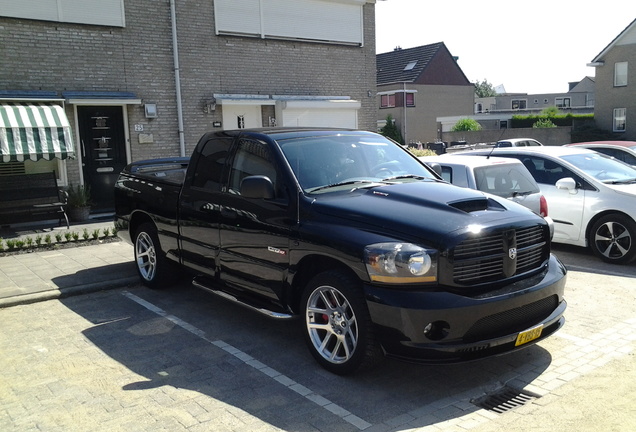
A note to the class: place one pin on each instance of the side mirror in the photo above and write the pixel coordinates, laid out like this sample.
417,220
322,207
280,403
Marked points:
567,183
257,187
435,167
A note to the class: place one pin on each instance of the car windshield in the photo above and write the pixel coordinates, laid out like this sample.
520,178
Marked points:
602,167
506,180
346,161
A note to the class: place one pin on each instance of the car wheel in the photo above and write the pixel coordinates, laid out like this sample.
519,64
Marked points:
339,331
150,260
612,239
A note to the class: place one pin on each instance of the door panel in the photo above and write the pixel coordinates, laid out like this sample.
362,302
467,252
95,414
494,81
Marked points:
103,150
254,233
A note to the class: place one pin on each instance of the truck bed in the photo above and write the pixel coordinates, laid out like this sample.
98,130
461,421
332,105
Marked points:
166,170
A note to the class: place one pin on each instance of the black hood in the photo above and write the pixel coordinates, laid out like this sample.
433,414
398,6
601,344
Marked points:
422,210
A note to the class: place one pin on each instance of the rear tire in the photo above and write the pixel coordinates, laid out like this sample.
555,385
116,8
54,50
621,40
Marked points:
338,327
613,239
152,265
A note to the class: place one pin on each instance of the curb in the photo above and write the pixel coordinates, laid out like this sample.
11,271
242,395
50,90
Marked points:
67,292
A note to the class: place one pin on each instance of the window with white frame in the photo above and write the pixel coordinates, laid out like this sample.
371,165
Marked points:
387,101
620,116
339,22
620,74
96,12
519,104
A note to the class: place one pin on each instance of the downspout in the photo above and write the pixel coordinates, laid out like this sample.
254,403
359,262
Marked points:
404,109
177,79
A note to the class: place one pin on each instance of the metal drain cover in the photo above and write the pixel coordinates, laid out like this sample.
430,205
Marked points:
504,399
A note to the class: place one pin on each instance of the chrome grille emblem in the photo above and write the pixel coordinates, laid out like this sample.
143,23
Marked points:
512,253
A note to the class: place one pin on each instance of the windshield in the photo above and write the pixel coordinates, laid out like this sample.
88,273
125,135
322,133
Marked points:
352,160
506,180
602,167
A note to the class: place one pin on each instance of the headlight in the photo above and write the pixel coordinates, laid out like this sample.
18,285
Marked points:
400,263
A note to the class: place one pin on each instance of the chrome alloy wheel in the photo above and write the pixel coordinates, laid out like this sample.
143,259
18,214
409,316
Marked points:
331,324
613,240
146,256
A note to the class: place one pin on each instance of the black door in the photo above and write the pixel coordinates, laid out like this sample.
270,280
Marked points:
103,149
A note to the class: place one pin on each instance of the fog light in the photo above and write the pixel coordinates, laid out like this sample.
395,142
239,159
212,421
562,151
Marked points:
437,330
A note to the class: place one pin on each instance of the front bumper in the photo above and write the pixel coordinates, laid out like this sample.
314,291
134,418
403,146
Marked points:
467,327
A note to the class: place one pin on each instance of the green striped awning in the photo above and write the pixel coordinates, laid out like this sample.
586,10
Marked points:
34,131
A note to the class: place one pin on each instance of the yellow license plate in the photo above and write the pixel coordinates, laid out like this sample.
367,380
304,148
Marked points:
529,335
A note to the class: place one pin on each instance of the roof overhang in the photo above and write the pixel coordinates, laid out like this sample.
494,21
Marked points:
100,98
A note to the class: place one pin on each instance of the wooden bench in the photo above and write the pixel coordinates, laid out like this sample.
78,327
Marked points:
31,197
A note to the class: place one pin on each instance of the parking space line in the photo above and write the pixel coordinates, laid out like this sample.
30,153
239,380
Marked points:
257,365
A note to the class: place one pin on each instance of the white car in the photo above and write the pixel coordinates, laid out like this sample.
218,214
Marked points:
518,142
624,151
504,177
591,197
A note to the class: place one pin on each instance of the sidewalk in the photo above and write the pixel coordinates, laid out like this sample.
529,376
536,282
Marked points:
48,274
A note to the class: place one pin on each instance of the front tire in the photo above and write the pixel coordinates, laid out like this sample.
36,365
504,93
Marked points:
613,239
151,263
338,327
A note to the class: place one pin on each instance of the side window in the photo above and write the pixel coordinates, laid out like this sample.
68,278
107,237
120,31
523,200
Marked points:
447,174
209,170
549,172
251,158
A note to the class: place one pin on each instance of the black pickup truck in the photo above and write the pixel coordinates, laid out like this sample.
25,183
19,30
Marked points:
352,234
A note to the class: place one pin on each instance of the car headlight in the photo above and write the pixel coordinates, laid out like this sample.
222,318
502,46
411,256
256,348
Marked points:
400,263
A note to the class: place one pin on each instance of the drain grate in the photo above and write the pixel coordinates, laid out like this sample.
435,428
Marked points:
504,399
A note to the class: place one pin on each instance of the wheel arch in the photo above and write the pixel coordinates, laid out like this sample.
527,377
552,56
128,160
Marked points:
137,219
309,267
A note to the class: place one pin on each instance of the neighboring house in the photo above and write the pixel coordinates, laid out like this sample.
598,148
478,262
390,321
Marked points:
615,107
579,99
143,79
417,85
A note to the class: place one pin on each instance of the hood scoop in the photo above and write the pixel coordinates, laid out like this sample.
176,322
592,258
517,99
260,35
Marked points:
476,205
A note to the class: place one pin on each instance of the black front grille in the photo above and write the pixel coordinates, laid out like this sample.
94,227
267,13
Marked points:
511,321
499,255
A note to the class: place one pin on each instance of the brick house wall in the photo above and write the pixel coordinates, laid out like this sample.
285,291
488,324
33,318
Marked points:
56,56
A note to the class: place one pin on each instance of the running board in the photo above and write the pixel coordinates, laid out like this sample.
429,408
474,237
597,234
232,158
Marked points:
223,294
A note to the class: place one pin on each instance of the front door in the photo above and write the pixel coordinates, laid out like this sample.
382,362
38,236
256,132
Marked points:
103,149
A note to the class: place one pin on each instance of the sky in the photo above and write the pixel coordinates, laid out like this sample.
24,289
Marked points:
528,47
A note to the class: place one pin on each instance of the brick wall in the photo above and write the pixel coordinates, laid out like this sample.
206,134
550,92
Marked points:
38,55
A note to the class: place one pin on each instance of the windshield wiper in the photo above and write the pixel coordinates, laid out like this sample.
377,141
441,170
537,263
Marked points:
406,176
516,194
345,183
626,181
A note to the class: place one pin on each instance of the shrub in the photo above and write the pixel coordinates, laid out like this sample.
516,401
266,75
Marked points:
95,234
47,239
466,124
543,123
423,152
68,235
390,130
58,237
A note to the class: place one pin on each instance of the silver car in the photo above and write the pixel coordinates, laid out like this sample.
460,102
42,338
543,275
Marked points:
592,197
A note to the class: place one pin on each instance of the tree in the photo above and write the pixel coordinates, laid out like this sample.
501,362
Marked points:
466,124
390,130
484,89
549,112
